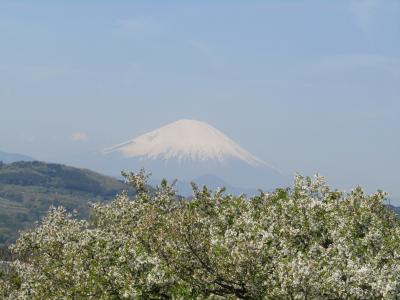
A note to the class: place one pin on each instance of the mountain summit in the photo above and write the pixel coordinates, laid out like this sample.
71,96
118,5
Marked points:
185,140
187,150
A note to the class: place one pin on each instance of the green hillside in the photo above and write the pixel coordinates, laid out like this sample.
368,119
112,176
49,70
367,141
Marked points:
28,189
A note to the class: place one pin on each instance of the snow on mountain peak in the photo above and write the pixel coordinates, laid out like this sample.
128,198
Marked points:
185,140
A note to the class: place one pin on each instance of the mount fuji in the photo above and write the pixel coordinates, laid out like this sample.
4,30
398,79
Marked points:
187,150
185,140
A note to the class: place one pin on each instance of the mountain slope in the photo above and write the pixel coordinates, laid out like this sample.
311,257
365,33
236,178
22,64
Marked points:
185,140
212,182
7,158
396,209
28,189
184,150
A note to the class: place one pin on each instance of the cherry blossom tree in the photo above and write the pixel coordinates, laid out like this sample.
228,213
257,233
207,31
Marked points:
304,242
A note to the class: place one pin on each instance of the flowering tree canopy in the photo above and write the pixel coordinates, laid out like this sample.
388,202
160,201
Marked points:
305,242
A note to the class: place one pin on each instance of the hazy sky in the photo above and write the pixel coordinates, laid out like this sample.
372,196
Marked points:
305,85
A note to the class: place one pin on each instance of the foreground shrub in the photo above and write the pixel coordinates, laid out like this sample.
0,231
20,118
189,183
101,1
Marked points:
306,242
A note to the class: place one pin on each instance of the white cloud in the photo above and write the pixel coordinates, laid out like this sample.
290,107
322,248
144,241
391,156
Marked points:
79,137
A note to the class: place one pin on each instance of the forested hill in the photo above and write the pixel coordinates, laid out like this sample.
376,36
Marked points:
28,189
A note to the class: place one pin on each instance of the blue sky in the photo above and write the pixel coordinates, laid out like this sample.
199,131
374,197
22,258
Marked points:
309,86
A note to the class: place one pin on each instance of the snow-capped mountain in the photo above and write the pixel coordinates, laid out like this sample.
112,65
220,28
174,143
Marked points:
185,140
186,150
189,149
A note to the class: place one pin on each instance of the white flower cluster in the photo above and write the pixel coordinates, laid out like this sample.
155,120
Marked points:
306,242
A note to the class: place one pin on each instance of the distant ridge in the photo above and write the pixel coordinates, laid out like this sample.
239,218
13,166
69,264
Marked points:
212,182
7,157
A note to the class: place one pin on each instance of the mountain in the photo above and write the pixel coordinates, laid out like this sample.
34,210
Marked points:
185,140
396,209
186,150
28,189
7,158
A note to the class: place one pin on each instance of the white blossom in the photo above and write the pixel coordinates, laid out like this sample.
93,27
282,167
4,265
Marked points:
306,242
